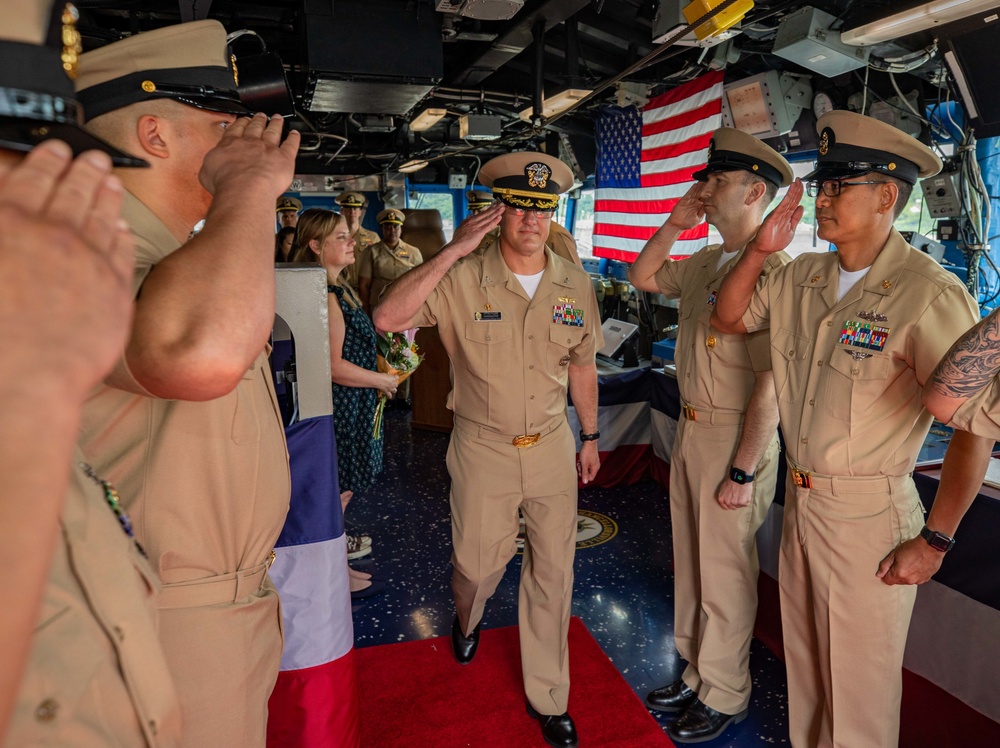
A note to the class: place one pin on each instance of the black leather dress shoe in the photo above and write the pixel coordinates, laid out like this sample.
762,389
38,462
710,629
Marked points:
673,698
699,723
464,647
557,729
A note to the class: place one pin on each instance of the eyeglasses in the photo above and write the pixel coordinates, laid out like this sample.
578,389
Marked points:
541,215
831,187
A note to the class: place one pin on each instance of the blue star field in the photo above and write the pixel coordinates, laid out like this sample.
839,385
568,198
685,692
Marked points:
623,590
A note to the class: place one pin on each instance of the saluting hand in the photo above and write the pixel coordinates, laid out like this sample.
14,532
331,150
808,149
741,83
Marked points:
689,211
778,228
470,232
251,153
66,266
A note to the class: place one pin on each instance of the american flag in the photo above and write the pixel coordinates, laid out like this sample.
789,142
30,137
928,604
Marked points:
644,164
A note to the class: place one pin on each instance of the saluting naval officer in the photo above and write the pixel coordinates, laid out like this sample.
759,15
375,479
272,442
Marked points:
723,469
188,425
854,336
386,260
288,209
520,326
80,662
559,240
353,206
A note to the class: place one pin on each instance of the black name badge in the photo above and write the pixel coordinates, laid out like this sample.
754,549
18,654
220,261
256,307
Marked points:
488,316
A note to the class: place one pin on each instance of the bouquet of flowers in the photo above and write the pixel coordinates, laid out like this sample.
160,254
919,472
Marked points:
397,354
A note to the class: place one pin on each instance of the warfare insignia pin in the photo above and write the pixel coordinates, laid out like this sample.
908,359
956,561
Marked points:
859,355
872,316
538,175
566,300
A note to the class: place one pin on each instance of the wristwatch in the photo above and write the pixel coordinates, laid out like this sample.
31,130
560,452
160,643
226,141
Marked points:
937,540
740,476
589,437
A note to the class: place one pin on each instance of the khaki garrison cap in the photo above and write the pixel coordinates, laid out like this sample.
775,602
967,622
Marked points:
731,150
391,215
852,144
527,180
477,199
189,63
352,200
288,203
39,53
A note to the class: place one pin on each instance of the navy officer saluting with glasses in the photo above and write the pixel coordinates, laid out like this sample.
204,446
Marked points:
854,336
520,326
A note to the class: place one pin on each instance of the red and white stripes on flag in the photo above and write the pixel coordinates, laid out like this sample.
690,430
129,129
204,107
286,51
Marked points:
644,165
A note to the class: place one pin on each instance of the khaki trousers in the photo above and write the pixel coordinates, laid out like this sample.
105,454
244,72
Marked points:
715,560
224,658
490,479
844,629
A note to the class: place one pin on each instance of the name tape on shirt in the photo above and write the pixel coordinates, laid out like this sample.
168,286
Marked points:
488,316
864,335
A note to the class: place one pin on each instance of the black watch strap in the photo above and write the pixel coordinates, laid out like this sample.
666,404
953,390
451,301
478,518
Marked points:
589,437
740,476
937,540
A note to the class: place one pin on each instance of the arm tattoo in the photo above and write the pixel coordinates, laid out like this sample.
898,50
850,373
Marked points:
972,362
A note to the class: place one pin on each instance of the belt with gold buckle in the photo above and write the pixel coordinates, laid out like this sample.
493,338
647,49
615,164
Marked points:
525,440
801,478
690,413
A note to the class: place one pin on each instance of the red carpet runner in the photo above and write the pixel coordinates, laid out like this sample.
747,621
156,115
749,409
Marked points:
415,694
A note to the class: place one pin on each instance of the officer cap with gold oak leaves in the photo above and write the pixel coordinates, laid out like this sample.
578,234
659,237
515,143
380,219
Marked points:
851,145
189,62
731,150
527,180
39,56
478,199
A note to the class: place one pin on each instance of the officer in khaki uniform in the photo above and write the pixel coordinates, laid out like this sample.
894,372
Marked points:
854,335
288,209
520,326
724,466
386,260
353,206
92,673
188,426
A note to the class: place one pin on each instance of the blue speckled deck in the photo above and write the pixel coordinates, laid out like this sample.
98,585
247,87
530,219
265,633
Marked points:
623,590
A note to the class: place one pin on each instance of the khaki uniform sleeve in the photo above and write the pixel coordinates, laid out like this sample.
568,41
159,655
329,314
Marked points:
759,343
947,317
366,263
584,354
980,415
670,277
436,309
758,313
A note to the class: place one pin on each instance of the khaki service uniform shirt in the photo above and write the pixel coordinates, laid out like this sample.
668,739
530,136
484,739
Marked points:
510,355
849,373
384,265
97,676
363,241
715,371
562,243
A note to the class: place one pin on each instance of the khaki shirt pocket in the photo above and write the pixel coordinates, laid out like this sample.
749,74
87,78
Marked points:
487,348
788,358
562,340
850,387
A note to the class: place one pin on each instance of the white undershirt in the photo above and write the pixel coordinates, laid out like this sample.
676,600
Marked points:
725,257
848,279
530,282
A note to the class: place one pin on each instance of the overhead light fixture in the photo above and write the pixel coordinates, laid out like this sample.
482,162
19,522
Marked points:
411,166
557,104
911,21
427,119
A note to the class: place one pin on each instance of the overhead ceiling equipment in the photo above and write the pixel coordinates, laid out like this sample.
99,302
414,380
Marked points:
427,119
557,103
804,37
671,15
972,53
767,104
371,56
483,10
916,19
480,127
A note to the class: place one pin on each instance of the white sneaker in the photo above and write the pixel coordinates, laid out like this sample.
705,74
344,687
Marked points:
358,546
